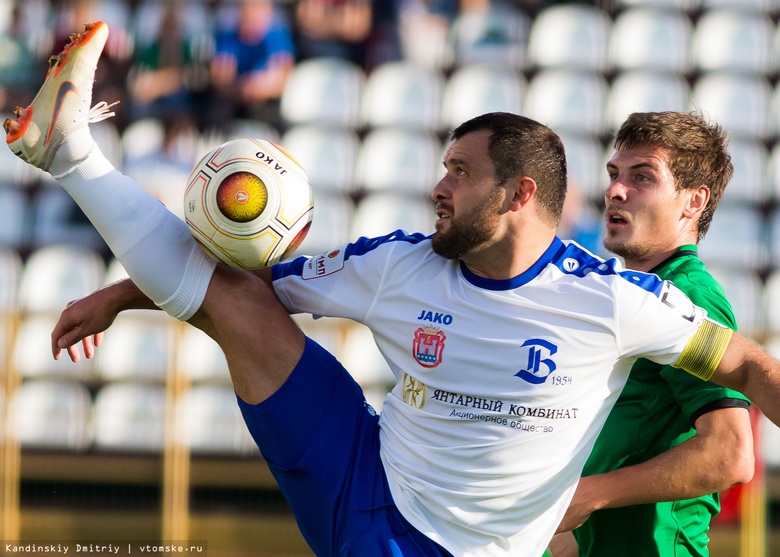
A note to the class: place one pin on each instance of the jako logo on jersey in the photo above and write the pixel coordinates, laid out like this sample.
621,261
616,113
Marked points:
428,345
435,317
539,365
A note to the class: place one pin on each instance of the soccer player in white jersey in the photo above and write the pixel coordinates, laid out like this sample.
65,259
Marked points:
509,345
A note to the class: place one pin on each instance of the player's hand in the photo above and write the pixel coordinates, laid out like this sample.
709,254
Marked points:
82,321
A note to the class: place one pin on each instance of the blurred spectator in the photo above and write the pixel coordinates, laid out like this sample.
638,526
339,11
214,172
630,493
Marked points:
173,44
424,28
253,57
26,43
111,75
384,40
335,28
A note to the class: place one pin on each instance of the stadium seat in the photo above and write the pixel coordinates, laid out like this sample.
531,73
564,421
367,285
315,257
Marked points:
47,414
767,6
585,164
55,275
32,356
138,347
244,127
750,183
200,358
570,36
331,226
129,417
741,103
15,218
772,304
734,39
402,94
773,173
141,138
323,91
56,218
737,237
106,135
10,277
651,38
15,173
569,101
209,422
362,358
398,160
774,237
381,213
327,153
645,91
745,292
496,34
114,271
475,89
326,331
768,433
687,6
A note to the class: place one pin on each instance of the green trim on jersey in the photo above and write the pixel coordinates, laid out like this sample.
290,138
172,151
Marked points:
654,413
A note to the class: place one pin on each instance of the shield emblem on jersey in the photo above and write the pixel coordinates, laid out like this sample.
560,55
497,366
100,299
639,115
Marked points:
428,346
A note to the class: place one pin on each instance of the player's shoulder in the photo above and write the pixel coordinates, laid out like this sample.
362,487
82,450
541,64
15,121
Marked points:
575,260
376,249
692,276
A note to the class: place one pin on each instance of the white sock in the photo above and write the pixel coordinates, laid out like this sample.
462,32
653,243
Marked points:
154,245
72,152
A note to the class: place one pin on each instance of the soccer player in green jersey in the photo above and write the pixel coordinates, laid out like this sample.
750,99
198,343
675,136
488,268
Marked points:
671,443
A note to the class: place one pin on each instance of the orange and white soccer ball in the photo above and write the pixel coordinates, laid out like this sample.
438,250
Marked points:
248,203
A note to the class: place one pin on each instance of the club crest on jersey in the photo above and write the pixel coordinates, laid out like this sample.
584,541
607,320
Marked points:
539,364
428,345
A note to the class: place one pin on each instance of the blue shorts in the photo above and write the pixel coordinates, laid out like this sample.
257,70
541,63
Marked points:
321,441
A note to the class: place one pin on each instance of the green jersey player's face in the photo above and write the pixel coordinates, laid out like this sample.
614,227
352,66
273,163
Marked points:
646,217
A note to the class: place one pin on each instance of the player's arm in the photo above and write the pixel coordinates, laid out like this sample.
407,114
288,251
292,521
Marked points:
562,545
732,360
85,320
718,456
747,368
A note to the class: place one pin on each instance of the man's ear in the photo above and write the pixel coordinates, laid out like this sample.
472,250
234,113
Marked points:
523,190
697,202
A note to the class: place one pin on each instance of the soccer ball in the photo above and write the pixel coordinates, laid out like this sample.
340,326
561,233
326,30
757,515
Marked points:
248,203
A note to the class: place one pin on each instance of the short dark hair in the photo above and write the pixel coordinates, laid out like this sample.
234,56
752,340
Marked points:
520,146
698,152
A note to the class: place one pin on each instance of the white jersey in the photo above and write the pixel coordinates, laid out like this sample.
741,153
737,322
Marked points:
502,385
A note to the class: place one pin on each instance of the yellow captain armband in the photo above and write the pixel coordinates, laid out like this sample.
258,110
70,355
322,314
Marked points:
705,349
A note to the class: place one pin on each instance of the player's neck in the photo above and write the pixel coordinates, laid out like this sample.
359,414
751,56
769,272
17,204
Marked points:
651,261
510,259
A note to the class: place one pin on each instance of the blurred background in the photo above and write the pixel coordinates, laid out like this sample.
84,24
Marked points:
145,443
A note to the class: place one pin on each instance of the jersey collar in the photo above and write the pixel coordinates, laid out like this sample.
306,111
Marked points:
509,284
682,251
